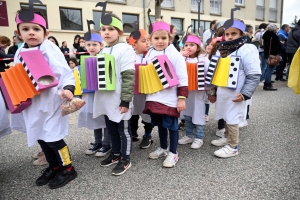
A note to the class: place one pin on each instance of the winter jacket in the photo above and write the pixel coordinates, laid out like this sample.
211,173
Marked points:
275,46
2,63
175,42
293,42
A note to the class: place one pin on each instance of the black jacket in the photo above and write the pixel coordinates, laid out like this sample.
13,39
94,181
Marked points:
175,42
65,50
293,42
12,50
275,46
2,63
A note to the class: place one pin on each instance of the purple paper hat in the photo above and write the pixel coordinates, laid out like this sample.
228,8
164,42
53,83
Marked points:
233,23
89,36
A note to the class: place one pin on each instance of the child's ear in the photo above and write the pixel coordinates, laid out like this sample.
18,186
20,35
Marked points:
121,33
134,45
47,33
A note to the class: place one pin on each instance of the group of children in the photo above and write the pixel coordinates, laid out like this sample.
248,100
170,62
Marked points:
115,114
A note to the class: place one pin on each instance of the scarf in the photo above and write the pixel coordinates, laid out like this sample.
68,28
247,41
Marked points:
227,47
283,33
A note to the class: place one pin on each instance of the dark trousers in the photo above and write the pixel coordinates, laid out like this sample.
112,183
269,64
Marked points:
163,137
56,153
221,124
134,123
120,135
280,68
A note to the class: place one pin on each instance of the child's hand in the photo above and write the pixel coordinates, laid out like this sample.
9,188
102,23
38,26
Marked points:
181,105
238,98
66,94
184,53
212,98
123,110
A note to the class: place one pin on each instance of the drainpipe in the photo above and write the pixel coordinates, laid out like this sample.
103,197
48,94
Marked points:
144,13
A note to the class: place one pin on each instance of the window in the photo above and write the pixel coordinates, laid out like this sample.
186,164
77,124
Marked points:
70,19
194,5
273,10
41,8
96,19
260,9
121,1
215,6
128,20
239,2
178,23
204,25
167,4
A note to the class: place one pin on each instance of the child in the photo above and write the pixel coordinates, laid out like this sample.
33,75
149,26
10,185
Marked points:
85,118
73,63
230,103
165,106
141,46
116,105
195,105
43,119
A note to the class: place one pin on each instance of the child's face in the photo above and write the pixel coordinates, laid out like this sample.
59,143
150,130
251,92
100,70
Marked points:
72,64
232,34
160,40
190,47
32,34
208,48
92,47
142,45
109,34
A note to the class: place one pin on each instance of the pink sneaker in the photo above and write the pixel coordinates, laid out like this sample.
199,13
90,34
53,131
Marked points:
37,155
40,161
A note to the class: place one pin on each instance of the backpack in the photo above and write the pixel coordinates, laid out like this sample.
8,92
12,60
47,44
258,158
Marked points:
261,41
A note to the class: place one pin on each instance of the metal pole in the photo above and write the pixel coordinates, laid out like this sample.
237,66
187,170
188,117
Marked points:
199,2
144,13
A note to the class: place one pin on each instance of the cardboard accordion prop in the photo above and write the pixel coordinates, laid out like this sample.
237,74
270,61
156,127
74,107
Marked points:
17,88
196,76
78,90
224,71
156,76
38,70
98,72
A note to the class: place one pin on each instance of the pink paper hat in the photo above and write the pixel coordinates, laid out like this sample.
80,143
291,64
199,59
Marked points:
37,19
194,39
157,26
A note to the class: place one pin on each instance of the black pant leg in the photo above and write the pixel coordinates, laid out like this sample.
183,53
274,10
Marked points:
134,124
49,154
62,153
148,127
221,124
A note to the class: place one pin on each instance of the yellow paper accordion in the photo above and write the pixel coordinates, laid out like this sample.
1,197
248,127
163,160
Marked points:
196,76
78,90
223,72
98,72
156,76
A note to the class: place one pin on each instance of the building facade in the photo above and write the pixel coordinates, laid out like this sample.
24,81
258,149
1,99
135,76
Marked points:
66,18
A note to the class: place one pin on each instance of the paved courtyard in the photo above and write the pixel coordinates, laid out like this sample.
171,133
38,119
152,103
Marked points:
268,166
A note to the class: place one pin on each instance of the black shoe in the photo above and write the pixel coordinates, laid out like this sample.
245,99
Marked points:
283,80
272,81
47,175
111,159
95,147
135,139
121,167
62,178
146,142
269,88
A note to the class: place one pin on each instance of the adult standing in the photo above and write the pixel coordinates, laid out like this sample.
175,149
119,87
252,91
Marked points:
209,33
283,36
249,33
263,62
13,49
54,40
65,50
270,40
75,46
81,47
176,37
4,42
293,42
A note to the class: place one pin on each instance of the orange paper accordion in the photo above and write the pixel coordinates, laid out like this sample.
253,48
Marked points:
196,76
223,72
20,83
156,76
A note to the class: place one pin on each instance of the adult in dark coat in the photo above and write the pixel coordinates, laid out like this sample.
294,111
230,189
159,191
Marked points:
176,37
270,37
65,50
293,43
283,36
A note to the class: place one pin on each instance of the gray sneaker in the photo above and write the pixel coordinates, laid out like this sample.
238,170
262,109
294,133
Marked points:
159,152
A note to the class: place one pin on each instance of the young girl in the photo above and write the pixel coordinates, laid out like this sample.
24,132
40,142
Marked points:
230,103
195,105
116,105
141,46
43,119
165,106
85,119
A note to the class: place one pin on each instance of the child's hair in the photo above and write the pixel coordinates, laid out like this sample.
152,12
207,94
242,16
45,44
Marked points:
5,40
171,38
52,37
36,12
199,48
74,60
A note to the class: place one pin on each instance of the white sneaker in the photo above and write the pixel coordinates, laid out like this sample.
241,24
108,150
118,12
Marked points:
159,152
171,160
227,151
243,123
186,140
220,133
261,83
197,143
206,118
219,142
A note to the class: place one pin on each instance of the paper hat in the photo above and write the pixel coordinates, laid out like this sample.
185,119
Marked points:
233,23
194,39
156,26
135,35
107,19
30,16
89,36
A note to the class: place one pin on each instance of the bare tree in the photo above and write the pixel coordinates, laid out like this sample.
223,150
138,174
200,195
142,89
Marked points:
158,9
294,22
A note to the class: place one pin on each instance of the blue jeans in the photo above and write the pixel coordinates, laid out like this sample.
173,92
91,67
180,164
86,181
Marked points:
269,72
263,66
189,128
98,137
